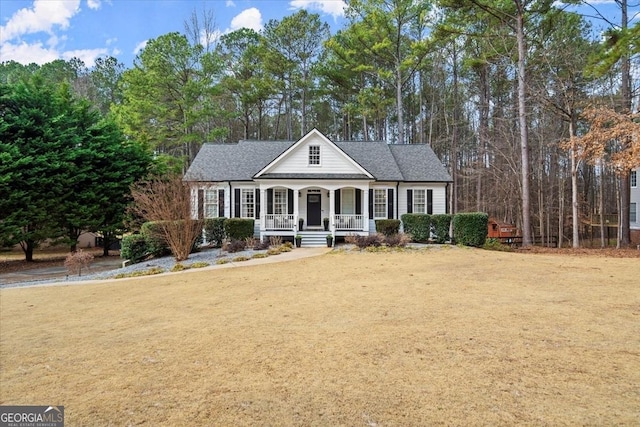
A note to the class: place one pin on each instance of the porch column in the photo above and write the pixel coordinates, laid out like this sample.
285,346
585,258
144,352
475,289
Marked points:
365,208
296,208
263,209
332,212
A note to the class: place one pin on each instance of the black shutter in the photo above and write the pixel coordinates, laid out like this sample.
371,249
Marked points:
409,201
236,203
390,203
371,203
290,201
200,204
257,203
358,201
430,202
336,206
270,201
220,203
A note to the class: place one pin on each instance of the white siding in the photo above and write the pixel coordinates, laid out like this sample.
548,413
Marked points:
332,160
439,196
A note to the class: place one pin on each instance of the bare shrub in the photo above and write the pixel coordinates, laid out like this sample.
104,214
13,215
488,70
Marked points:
397,240
78,260
261,245
275,241
362,242
169,202
234,246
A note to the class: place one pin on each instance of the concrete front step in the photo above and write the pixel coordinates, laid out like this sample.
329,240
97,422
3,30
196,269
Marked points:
313,240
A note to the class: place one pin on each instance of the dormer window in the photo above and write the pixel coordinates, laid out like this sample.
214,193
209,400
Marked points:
314,155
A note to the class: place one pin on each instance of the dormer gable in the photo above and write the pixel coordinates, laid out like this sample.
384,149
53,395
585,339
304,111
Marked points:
313,154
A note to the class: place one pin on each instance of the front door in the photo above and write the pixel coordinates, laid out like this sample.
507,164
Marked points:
314,210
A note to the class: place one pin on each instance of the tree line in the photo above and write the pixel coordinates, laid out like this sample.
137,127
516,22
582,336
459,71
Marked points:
496,88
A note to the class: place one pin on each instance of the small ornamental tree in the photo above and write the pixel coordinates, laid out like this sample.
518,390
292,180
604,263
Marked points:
168,201
78,260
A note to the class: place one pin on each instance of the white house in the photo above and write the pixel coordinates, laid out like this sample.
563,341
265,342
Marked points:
634,216
347,184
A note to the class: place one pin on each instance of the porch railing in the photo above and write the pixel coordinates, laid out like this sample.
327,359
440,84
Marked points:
349,222
279,222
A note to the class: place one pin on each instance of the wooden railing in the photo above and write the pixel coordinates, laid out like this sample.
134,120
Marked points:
279,222
549,241
349,222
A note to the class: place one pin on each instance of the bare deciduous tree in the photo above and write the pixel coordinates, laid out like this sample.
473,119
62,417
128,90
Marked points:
168,202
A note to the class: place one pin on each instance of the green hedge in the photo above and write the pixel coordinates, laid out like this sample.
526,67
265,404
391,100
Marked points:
156,244
418,226
214,230
470,229
134,248
440,224
388,227
238,228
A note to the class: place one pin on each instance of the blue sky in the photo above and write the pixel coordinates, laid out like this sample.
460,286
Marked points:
41,31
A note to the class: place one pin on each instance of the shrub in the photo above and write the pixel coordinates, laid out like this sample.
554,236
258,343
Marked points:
222,261
179,267
199,264
397,240
214,231
261,245
274,251
149,272
238,228
495,245
470,229
78,260
418,226
388,227
134,248
260,255
365,241
234,246
440,225
275,241
241,258
153,233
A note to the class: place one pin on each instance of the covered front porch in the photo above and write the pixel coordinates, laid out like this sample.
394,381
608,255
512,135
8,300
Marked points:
314,211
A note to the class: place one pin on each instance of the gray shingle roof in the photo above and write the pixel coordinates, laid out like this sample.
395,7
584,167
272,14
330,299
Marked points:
241,161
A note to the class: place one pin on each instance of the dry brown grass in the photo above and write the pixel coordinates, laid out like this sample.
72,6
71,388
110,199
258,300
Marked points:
442,337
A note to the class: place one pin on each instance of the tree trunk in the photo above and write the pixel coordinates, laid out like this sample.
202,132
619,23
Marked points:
399,109
601,204
522,116
625,183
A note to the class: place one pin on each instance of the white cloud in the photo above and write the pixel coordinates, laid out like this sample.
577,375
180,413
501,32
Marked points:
94,4
140,46
230,3
42,17
334,8
248,18
208,39
28,53
88,56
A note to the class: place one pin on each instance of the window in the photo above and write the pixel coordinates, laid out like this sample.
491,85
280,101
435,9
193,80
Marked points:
280,201
419,201
633,213
634,179
348,202
210,203
314,155
248,203
380,203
